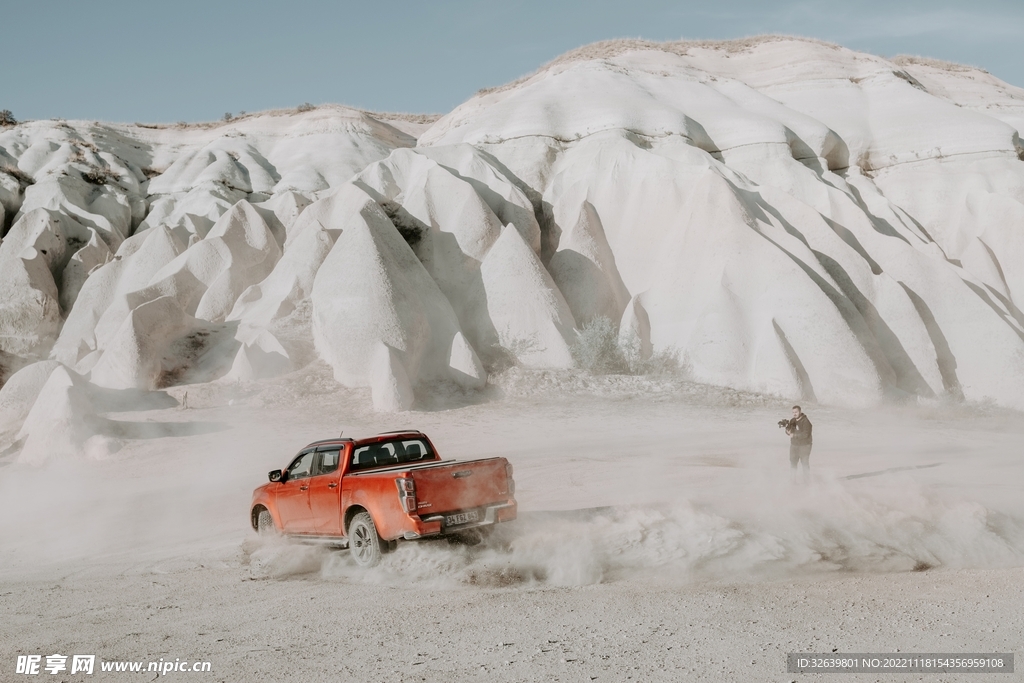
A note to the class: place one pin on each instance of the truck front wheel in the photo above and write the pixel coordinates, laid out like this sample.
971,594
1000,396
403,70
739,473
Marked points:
364,542
265,523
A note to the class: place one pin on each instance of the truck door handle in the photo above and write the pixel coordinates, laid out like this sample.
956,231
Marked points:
303,488
332,485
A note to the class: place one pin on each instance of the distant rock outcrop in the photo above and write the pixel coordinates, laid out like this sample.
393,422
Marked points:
56,426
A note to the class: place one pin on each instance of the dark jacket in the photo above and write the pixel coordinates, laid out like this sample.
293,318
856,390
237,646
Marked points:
800,429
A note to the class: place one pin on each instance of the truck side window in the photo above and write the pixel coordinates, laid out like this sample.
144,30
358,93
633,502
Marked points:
328,461
302,466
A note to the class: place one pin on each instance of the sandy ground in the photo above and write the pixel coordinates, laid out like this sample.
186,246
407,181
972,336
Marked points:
661,539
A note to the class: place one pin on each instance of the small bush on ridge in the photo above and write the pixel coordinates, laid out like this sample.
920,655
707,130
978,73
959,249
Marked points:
18,174
100,176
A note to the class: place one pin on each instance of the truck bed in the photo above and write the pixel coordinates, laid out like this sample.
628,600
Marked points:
451,485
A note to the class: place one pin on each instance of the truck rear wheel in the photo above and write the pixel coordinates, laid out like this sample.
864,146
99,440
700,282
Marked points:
364,542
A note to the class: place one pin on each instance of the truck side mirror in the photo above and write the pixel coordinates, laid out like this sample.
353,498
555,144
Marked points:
276,475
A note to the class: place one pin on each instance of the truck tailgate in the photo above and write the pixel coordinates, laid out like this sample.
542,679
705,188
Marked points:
460,485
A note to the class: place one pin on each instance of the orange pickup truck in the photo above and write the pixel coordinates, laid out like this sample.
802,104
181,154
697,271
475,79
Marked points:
367,494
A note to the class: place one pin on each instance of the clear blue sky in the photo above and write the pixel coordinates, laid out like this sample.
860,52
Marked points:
187,60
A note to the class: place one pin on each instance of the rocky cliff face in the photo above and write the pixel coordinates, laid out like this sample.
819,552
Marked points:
789,216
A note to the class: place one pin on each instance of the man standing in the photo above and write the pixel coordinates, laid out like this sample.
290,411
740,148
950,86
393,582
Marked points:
799,432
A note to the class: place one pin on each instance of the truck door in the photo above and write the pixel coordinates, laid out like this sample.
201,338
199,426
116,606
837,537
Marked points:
325,492
293,495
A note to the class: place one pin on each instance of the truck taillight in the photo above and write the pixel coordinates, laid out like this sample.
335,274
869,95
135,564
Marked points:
511,481
406,493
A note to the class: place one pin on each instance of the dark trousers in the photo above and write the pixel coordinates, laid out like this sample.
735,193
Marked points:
800,454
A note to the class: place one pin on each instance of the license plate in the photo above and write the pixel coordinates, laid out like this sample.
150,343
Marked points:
462,518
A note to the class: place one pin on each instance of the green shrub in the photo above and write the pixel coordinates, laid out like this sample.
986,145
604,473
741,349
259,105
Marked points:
599,350
596,348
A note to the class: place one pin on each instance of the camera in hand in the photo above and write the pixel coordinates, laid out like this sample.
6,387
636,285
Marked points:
784,423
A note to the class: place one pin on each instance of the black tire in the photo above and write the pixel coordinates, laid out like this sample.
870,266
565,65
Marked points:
265,523
364,542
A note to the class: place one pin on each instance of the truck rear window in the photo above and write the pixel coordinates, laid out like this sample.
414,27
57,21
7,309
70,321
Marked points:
390,453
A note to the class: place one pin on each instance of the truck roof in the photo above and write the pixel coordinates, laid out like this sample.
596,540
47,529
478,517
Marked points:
383,436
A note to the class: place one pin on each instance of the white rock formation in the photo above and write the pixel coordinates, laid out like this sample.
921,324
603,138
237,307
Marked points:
798,218
57,425
260,356
530,315
103,303
43,249
466,368
584,267
372,289
19,393
281,211
453,201
29,311
209,276
786,215
635,329
135,355
389,382
291,281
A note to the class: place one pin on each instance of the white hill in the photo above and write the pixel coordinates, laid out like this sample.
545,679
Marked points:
794,217
788,216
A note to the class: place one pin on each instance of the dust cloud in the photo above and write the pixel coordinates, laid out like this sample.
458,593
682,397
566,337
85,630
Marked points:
610,490
825,527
